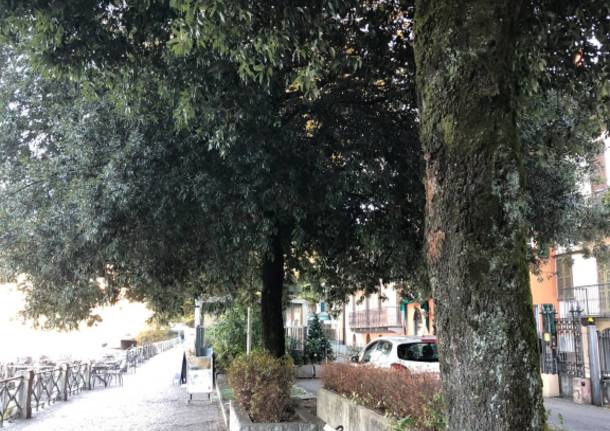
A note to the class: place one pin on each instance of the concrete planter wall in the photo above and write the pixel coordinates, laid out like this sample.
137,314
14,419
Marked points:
240,421
305,371
336,410
550,385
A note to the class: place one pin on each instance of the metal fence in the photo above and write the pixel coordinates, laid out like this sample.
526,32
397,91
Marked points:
138,354
548,357
28,389
47,387
593,299
604,352
11,401
384,317
295,337
570,353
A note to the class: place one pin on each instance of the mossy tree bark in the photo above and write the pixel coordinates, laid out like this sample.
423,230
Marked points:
475,232
271,299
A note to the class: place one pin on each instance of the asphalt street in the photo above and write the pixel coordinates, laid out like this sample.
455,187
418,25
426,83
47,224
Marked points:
567,415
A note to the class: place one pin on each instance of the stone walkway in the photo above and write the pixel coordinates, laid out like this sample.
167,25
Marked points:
149,400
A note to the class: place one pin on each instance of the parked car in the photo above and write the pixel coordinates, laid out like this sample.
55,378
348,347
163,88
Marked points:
417,354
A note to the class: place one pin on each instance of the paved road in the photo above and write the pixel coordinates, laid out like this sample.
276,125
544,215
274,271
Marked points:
310,385
574,417
148,401
577,417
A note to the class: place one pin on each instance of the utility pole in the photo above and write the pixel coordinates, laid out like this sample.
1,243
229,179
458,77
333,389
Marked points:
249,331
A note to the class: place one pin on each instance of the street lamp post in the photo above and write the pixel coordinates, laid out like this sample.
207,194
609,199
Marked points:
249,331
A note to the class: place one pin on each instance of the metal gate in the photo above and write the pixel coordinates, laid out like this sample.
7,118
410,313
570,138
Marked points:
570,354
603,338
570,358
547,340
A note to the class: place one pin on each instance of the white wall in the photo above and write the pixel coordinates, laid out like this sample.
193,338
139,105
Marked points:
584,270
584,275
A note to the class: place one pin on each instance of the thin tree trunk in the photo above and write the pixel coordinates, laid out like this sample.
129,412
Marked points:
271,299
475,234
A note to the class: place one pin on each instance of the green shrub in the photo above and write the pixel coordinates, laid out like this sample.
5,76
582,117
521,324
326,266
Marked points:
413,400
152,335
228,335
261,385
317,346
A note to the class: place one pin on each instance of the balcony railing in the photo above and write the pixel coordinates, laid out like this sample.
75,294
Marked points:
385,317
592,300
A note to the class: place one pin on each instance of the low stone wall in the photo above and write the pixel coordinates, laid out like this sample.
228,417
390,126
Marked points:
550,385
309,371
336,410
581,390
240,421
305,371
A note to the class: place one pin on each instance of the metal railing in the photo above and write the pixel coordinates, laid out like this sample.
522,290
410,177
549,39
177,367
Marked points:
138,354
384,317
548,357
11,401
604,352
570,355
47,387
31,388
295,338
592,300
77,378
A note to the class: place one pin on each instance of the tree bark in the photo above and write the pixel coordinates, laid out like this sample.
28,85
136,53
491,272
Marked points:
475,236
271,299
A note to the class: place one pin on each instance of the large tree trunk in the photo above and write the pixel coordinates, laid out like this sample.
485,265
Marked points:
271,299
475,233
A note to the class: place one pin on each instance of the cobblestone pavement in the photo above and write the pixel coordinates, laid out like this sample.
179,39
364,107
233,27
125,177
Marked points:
149,400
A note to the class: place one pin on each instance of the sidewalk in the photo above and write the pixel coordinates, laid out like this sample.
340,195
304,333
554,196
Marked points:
567,415
148,401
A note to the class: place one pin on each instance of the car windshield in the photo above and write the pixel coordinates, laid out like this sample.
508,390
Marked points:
423,352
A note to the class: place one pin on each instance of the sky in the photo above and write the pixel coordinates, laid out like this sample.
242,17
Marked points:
18,338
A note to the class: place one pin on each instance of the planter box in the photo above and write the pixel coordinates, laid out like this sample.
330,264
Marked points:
309,371
305,371
336,410
240,421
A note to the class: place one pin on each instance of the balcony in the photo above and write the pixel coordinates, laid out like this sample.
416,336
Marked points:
591,300
385,318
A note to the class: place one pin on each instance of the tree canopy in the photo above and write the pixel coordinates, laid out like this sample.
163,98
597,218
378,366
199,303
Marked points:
176,148
169,174
163,145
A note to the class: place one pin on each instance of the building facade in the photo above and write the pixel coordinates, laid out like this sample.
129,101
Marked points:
386,313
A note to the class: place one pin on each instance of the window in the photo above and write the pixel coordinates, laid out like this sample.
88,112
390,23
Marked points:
381,351
548,319
366,356
422,352
384,348
603,279
564,277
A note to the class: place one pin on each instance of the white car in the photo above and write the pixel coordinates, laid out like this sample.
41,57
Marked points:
417,354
